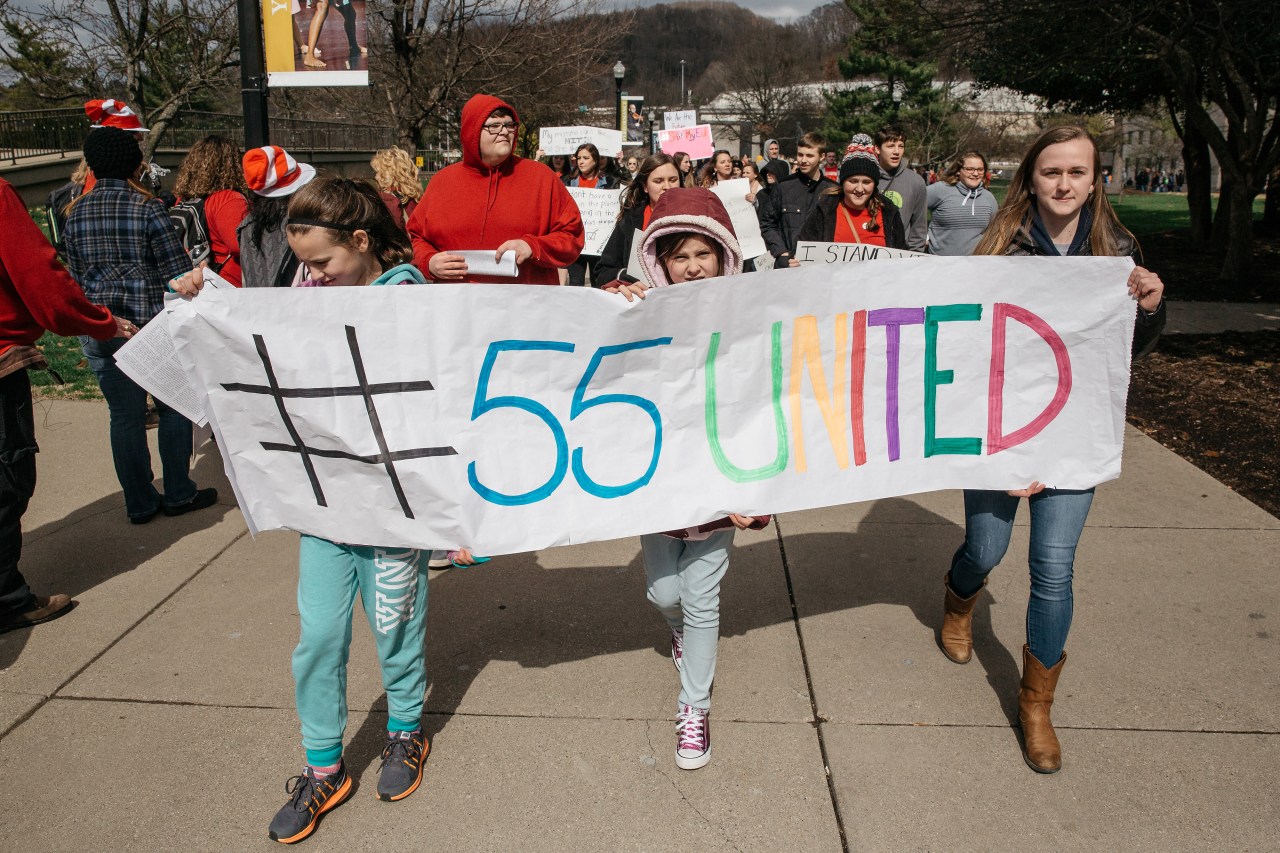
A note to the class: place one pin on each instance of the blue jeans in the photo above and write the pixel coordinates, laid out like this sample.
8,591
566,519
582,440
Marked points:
127,403
1057,520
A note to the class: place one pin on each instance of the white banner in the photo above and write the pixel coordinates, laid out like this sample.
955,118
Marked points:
565,140
808,252
508,418
676,119
746,225
599,209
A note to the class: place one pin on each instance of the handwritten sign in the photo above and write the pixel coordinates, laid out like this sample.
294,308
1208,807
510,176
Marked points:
846,253
599,209
509,418
742,213
676,119
565,140
695,141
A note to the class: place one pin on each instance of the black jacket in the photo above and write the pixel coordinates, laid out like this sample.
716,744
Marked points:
820,227
616,256
1147,329
784,212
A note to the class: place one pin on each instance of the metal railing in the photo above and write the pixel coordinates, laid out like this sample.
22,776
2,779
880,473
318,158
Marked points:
61,132
41,133
297,135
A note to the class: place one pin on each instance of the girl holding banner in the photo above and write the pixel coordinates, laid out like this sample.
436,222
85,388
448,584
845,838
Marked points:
855,211
1055,206
690,239
657,174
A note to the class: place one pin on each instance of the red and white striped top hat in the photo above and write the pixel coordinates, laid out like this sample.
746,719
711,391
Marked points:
113,113
271,171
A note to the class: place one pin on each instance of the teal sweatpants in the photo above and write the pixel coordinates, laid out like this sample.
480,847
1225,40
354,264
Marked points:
392,583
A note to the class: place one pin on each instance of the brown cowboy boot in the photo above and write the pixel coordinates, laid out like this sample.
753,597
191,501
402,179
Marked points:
956,636
1040,746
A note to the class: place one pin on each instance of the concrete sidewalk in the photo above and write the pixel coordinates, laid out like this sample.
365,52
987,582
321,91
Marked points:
159,716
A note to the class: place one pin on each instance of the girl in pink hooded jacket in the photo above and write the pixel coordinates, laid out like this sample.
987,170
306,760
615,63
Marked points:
689,238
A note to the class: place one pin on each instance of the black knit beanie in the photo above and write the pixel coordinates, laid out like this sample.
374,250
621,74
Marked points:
112,153
860,159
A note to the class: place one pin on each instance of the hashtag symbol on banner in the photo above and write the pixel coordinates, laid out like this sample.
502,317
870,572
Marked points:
384,457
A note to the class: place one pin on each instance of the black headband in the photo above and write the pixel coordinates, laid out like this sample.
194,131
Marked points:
324,223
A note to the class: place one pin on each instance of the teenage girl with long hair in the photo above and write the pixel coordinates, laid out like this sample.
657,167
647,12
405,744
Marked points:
1055,206
657,174
592,173
721,169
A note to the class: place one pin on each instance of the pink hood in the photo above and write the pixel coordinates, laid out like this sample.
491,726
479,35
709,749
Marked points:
681,211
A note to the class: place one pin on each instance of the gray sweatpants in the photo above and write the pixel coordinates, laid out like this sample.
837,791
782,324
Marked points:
684,584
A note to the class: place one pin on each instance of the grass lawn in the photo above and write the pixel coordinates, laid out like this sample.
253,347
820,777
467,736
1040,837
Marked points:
65,357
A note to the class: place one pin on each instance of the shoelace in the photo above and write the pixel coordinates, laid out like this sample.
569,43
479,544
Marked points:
398,748
691,728
300,786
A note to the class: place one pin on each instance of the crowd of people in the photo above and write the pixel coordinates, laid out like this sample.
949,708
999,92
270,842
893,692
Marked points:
263,219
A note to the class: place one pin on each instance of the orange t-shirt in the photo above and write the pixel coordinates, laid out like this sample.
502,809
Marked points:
588,183
847,220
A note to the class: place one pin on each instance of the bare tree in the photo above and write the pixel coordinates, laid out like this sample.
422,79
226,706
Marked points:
768,88
429,56
157,55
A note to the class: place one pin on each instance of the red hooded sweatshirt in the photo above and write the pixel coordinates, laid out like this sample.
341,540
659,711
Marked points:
35,291
470,206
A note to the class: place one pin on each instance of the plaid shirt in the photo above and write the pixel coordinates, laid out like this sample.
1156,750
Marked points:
122,249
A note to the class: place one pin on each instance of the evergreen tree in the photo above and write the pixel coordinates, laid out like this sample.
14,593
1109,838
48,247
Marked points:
891,63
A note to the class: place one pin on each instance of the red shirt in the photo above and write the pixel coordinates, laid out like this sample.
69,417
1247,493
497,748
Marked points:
35,291
588,183
224,211
471,206
859,220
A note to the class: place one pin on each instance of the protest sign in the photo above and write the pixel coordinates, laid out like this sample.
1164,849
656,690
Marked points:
599,210
742,213
509,418
808,252
676,119
565,140
695,141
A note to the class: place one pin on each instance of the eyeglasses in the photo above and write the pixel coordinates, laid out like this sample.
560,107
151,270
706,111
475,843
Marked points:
500,128
971,169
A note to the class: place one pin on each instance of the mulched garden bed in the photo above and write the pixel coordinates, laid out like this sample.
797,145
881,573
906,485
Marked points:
1215,401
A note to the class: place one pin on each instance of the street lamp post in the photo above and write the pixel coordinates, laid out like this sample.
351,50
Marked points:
619,72
684,99
898,88
653,117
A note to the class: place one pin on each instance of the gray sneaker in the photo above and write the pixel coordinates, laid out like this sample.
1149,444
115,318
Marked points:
311,798
401,771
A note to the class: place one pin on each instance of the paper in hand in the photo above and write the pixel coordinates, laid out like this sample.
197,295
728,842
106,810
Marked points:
482,263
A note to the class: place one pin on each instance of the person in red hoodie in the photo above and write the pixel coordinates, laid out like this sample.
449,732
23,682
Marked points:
35,294
495,200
